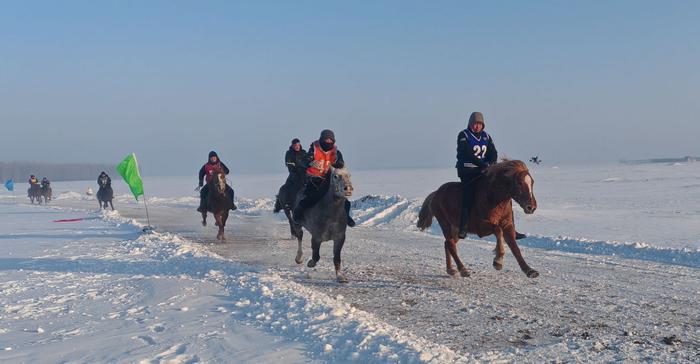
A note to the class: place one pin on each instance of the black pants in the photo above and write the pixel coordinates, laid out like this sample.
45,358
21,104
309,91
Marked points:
468,181
205,190
315,189
291,187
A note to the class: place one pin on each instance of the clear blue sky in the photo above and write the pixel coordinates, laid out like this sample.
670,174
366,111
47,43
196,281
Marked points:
572,81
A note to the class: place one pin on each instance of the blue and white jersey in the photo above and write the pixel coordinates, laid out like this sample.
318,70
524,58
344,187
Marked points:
478,146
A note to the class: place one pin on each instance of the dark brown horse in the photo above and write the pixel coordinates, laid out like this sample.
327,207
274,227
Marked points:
34,193
492,213
218,203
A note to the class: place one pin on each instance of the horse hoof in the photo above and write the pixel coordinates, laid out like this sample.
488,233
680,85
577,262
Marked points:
532,273
464,272
298,259
341,278
452,272
311,263
204,223
497,265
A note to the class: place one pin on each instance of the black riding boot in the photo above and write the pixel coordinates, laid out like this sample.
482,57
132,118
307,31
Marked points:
463,222
351,222
202,204
231,193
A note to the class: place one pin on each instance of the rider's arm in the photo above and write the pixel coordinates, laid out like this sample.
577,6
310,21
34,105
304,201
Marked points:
491,152
289,161
201,176
339,163
310,155
223,166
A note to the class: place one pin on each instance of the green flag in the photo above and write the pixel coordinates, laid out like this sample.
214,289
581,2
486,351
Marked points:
129,170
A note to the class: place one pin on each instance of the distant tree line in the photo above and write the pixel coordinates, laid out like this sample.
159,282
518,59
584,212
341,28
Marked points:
20,171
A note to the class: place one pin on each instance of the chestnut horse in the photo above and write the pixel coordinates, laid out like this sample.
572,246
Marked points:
218,203
492,212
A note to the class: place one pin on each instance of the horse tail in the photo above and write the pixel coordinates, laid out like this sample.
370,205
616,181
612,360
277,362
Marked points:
425,216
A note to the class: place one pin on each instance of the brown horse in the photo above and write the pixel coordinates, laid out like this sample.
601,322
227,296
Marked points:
492,213
218,203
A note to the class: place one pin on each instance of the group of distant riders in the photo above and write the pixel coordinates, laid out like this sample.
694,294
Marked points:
309,170
38,190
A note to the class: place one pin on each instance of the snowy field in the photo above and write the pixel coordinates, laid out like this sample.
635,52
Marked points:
617,246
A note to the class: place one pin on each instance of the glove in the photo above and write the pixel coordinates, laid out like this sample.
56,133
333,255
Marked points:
316,164
198,188
339,165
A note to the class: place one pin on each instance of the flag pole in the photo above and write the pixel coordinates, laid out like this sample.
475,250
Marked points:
148,218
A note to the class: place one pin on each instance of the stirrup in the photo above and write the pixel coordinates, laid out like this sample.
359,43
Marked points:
462,233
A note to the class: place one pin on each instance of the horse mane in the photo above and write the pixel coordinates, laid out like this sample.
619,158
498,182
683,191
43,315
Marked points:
506,167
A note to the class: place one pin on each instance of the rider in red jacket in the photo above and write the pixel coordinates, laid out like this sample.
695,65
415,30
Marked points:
207,173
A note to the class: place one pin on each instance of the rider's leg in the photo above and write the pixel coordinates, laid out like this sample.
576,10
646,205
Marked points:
351,222
230,192
202,196
467,182
310,197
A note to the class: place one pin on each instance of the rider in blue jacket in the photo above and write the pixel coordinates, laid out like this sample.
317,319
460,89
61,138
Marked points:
475,152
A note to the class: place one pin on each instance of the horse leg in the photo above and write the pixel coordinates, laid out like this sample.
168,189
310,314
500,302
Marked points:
300,237
111,205
316,252
448,260
204,218
224,218
513,245
500,250
452,247
220,224
288,213
337,247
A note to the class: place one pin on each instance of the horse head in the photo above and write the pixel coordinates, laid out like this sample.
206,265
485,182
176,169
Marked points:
341,182
219,182
517,181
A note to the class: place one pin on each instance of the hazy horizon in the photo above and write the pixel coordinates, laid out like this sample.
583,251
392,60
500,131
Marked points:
574,82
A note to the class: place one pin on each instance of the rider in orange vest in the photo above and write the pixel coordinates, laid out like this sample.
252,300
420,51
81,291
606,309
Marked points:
322,154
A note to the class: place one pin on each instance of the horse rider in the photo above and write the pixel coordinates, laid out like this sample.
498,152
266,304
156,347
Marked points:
295,160
45,182
322,154
475,152
33,181
102,175
207,171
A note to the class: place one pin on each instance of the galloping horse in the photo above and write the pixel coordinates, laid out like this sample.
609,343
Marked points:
492,212
327,220
34,193
105,194
218,203
46,192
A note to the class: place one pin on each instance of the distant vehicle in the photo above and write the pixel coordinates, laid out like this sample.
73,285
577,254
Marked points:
536,159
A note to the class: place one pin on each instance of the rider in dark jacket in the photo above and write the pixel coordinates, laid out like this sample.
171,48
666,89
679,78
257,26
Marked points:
207,173
475,152
321,156
295,161
108,180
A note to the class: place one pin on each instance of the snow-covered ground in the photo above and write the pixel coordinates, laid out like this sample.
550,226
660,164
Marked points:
617,246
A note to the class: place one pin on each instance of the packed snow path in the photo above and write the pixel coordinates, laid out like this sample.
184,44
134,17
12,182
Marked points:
582,307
